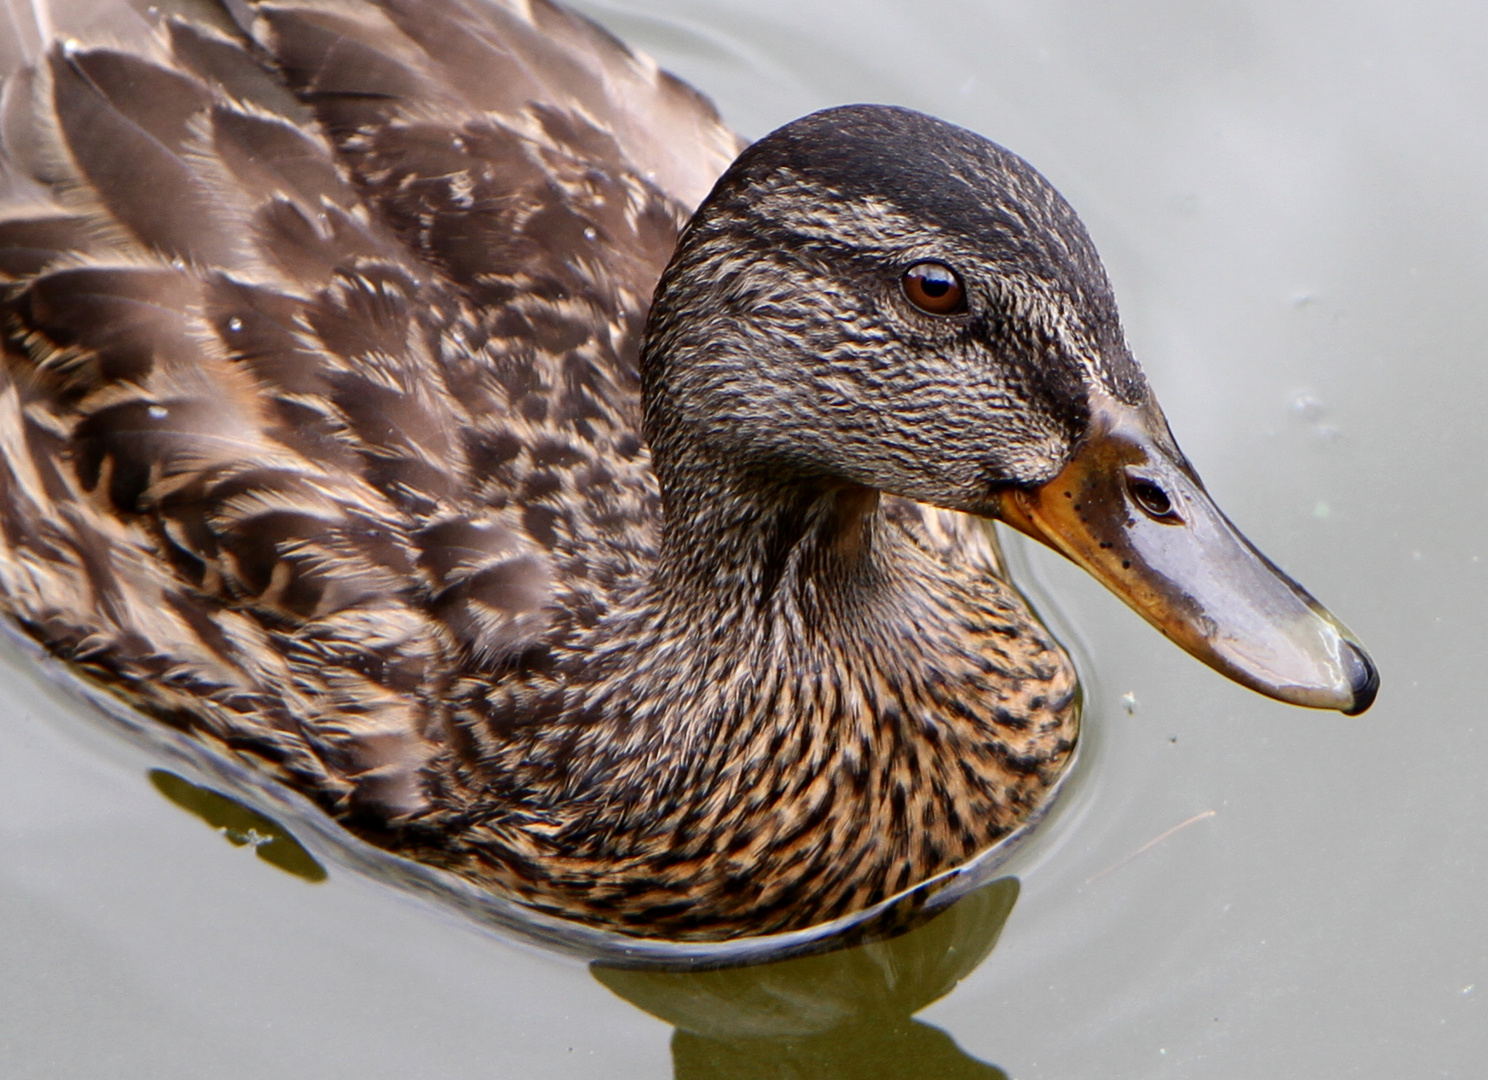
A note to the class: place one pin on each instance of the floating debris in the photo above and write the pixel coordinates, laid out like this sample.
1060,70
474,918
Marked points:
1149,845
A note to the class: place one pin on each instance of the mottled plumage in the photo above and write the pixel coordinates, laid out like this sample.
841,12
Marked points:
322,426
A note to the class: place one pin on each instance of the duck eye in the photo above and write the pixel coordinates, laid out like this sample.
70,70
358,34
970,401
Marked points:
934,288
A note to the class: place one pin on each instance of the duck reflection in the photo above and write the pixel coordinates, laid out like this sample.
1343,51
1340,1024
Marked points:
840,1014
241,825
848,1013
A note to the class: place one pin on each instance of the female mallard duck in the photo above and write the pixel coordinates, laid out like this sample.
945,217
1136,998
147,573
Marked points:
336,430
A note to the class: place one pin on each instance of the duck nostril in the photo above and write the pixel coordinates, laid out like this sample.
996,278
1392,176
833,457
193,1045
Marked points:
1153,500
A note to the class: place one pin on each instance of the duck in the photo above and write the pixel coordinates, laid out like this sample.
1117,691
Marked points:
435,405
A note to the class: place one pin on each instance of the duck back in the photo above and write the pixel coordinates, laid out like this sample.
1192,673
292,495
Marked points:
320,322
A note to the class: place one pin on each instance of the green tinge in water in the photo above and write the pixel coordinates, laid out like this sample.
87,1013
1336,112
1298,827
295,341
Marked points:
241,825
848,1013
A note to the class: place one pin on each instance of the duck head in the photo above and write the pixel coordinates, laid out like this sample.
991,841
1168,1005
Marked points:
872,299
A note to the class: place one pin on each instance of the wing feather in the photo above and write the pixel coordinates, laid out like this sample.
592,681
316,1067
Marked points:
319,325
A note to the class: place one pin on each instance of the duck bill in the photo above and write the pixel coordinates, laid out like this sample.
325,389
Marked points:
1130,509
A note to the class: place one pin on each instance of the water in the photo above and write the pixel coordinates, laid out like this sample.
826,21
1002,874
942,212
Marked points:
1292,200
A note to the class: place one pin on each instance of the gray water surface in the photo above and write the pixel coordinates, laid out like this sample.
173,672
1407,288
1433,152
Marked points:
1292,201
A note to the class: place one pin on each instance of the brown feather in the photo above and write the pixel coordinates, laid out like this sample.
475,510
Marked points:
322,438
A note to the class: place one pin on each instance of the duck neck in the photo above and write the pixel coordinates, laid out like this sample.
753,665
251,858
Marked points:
763,592
737,541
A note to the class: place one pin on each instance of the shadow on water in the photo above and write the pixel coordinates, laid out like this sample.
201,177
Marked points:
839,1014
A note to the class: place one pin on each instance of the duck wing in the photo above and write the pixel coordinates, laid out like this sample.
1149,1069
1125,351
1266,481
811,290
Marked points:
319,327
